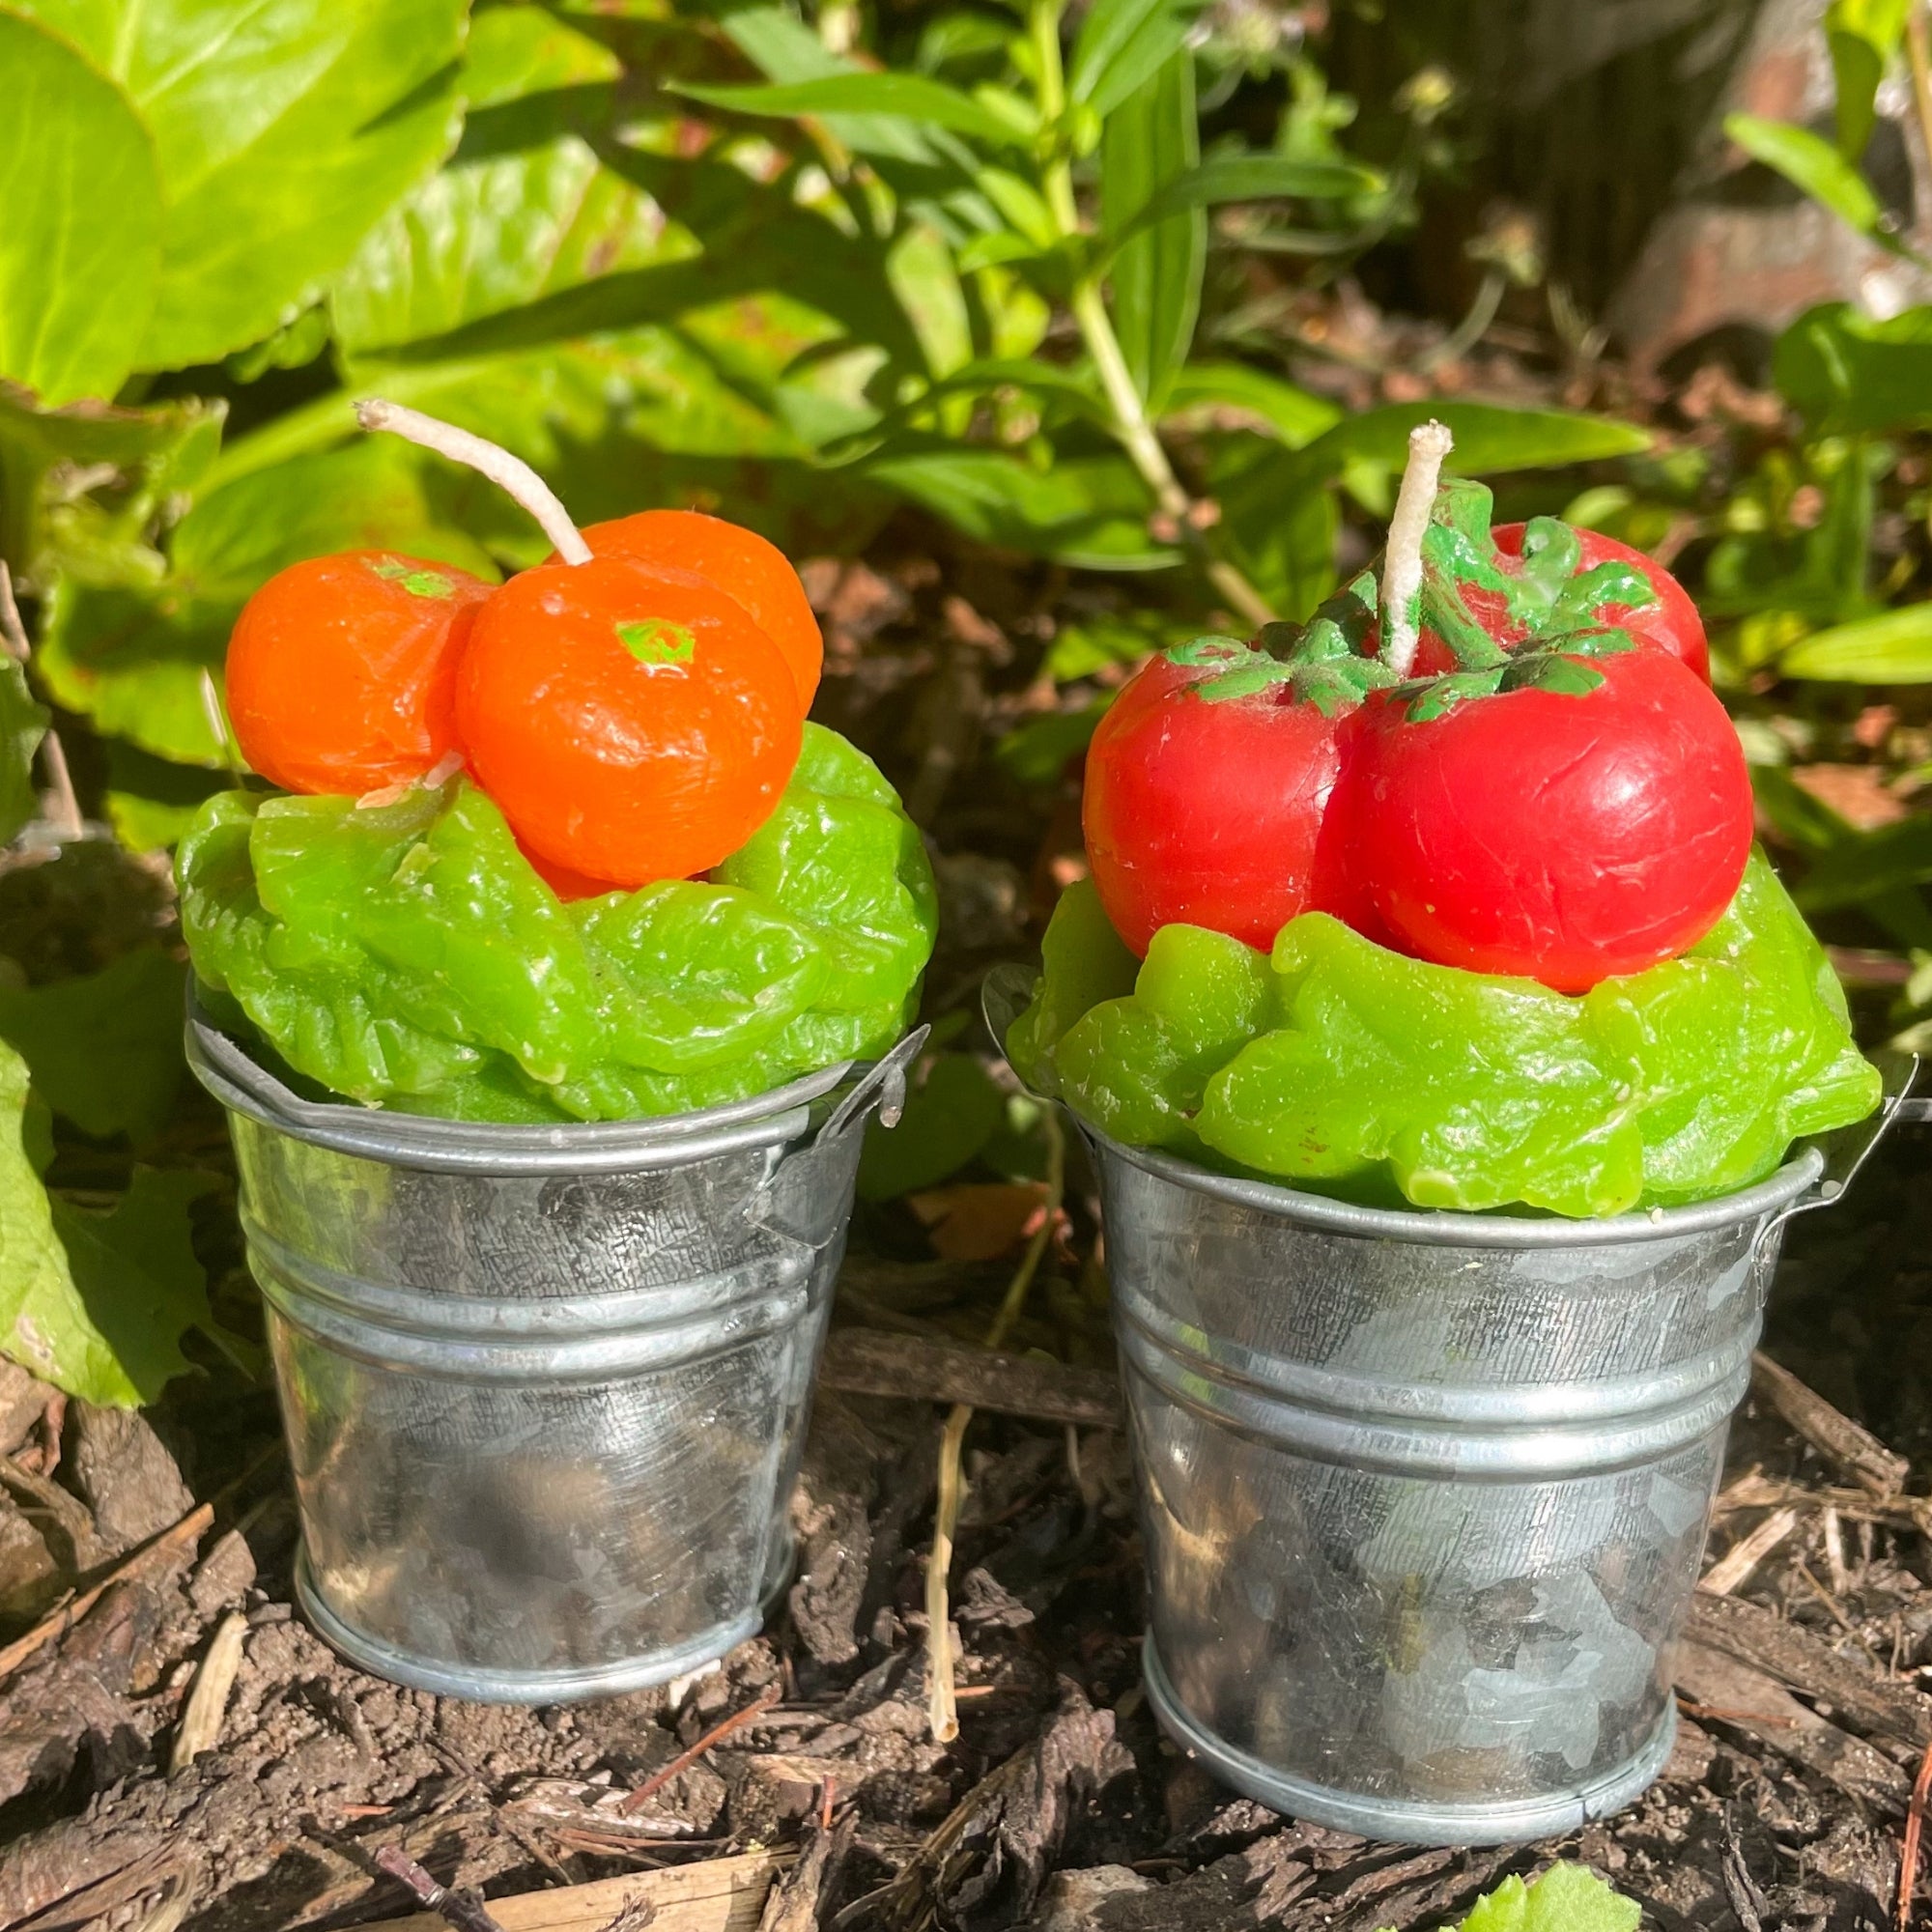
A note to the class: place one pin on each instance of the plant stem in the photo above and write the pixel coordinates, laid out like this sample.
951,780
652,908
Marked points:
1401,560
1133,431
1921,71
510,474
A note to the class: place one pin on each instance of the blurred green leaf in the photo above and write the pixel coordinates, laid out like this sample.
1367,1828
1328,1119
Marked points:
1038,752
1084,645
1490,439
1848,371
23,723
1864,35
1283,536
1088,511
525,207
282,135
1894,647
910,97
105,1049
1813,166
1151,140
131,656
948,1117
1292,416
150,801
80,242
1120,46
1866,864
1227,178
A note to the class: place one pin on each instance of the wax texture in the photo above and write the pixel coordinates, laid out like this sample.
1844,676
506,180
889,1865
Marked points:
1340,1067
407,954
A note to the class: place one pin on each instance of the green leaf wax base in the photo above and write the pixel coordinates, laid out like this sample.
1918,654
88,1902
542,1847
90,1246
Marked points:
405,954
1341,1067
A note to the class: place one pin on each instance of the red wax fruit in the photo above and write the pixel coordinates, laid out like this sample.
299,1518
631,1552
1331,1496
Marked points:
632,724
341,670
1204,809
1557,835
739,562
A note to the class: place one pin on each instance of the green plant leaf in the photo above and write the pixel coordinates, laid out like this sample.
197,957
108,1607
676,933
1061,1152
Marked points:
1490,439
105,1049
80,253
1813,166
1289,414
23,723
1894,647
1088,511
1120,45
1152,139
131,656
525,208
1867,864
907,97
1862,36
1036,752
151,801
1226,178
282,136
948,1117
95,1305
1849,373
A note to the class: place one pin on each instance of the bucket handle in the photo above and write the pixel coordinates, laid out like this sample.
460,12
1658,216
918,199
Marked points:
1847,1149
883,1083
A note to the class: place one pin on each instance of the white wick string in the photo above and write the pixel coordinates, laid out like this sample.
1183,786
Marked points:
1428,444
510,474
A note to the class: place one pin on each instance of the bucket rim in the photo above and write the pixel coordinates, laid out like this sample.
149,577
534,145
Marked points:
237,1079
1468,1227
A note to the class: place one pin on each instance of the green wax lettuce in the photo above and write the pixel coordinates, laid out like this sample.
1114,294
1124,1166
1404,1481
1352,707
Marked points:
407,954
1339,1065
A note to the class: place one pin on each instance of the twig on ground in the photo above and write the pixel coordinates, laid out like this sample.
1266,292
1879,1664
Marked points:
1743,1557
172,1543
200,1728
917,1367
1915,1826
462,1909
941,1714
1832,1433
715,1735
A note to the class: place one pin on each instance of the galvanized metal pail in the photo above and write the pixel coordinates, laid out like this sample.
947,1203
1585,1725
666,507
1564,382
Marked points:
1424,1495
545,1388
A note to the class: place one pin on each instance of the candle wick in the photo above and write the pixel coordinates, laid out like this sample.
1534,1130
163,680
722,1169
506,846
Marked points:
1428,443
510,474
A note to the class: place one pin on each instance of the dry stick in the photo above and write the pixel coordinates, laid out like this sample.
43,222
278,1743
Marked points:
1915,1825
685,1759
510,474
1921,71
1428,443
941,1710
188,1531
1738,1563
12,632
200,1728
462,1909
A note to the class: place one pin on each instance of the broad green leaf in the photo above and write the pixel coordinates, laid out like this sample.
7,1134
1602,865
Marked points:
151,801
1292,416
1036,752
1281,530
1090,511
80,250
907,97
284,131
525,208
1813,166
1227,178
948,1116
1864,865
1151,140
103,1050
95,1305
132,656
1894,647
23,723
1490,439
1120,44
919,270
1862,35
1849,373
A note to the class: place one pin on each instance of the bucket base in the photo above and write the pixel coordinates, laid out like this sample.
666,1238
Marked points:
1399,1821
520,1687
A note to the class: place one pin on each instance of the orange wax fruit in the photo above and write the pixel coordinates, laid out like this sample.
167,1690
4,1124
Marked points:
741,563
632,724
341,670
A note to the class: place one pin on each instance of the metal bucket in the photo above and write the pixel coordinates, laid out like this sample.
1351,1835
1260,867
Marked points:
1424,1495
545,1388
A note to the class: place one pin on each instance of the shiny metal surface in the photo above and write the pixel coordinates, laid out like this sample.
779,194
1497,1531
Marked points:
545,1388
1425,1496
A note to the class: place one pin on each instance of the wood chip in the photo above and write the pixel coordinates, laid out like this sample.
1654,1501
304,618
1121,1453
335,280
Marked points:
919,1368
1743,1557
1836,1437
715,1895
208,1696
